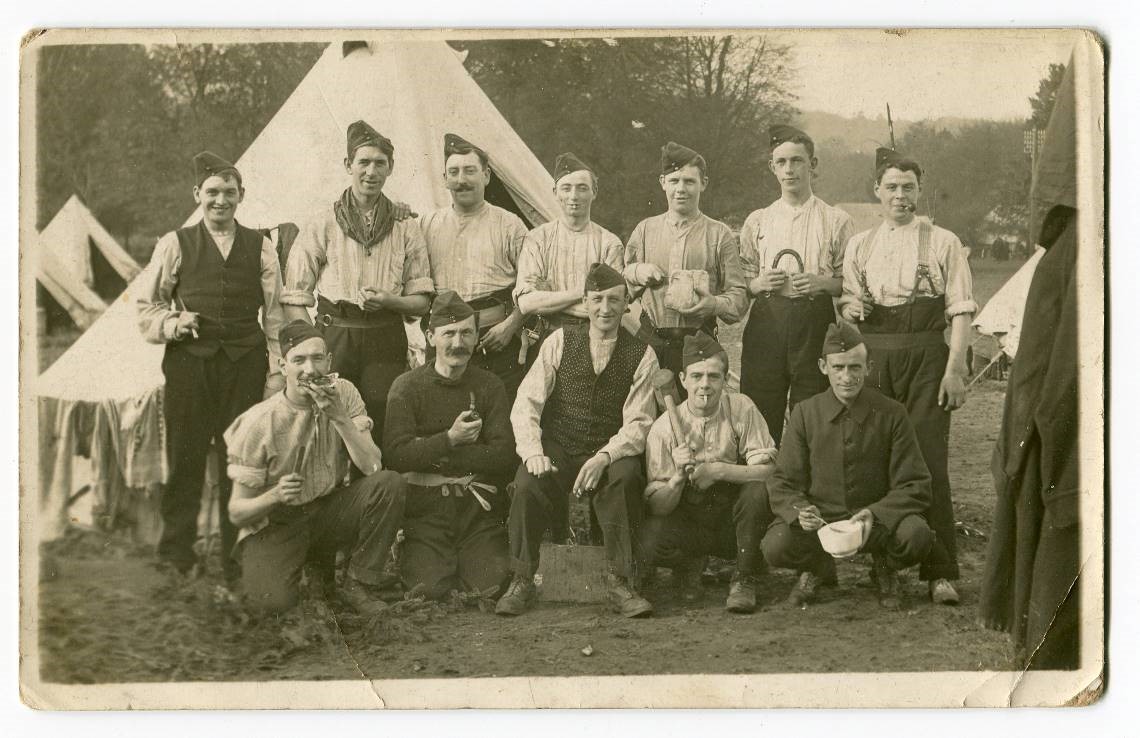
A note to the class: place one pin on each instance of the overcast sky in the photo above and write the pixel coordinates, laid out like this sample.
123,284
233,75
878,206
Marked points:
925,74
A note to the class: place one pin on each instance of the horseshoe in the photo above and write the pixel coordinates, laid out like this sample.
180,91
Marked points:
787,252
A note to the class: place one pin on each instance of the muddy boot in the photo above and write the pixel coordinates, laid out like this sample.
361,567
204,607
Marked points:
624,599
687,577
741,594
362,598
804,591
887,582
519,597
942,592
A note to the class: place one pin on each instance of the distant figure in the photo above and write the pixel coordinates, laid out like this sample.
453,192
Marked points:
1000,250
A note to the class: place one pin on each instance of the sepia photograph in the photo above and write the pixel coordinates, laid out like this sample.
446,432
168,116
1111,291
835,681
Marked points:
533,368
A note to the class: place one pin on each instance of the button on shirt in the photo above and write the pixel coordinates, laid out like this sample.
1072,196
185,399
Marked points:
555,258
263,444
735,434
884,260
474,254
815,230
325,258
694,243
844,460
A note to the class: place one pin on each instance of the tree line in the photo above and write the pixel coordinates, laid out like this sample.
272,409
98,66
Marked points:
118,124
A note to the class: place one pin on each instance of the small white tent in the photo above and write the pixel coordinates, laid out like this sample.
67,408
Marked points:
67,289
72,235
1002,315
413,92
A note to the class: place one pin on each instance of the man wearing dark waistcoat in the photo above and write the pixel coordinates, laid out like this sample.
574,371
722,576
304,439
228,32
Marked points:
580,421
905,281
201,296
849,453
448,430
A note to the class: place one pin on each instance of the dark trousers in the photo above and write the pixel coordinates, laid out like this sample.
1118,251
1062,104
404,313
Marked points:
203,395
912,376
779,359
538,504
728,521
371,358
453,543
912,542
361,518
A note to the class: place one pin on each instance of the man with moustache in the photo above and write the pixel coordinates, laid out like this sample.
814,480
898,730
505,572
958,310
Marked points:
850,453
201,295
473,247
904,281
448,431
706,492
556,255
368,268
580,422
684,239
291,459
791,253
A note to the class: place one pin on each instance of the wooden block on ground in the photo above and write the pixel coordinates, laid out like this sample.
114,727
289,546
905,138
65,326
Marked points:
572,573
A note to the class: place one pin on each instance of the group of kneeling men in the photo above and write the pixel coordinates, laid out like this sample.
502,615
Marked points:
538,385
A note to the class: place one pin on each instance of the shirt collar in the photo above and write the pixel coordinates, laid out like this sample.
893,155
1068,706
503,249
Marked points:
794,210
446,381
678,222
913,224
859,409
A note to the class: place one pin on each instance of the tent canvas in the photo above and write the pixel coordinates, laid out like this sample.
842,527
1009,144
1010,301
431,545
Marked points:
65,287
1002,315
412,91
74,233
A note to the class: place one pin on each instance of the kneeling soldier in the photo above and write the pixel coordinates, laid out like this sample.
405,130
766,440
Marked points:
290,459
706,490
850,453
448,430
580,421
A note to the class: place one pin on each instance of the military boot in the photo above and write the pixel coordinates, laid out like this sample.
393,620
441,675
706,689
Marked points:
741,594
624,599
887,582
518,598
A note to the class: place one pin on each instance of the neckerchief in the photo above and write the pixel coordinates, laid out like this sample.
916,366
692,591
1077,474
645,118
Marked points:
354,224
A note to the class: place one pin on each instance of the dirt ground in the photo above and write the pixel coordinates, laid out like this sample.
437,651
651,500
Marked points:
107,615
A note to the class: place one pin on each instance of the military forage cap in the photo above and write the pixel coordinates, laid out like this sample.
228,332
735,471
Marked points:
294,333
362,134
780,133
885,156
448,308
568,164
674,156
698,347
453,144
207,164
841,336
602,277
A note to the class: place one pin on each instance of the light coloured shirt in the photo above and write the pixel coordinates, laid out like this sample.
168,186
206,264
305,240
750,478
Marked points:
555,258
886,266
263,444
735,434
158,310
324,258
477,254
815,230
694,243
637,412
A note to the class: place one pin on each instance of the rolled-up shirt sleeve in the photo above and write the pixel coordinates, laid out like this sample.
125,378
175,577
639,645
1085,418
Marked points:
733,300
154,294
417,270
750,233
756,443
636,271
526,415
959,281
531,270
637,413
303,269
843,231
273,316
659,466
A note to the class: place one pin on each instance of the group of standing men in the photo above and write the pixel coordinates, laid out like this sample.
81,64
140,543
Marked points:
332,444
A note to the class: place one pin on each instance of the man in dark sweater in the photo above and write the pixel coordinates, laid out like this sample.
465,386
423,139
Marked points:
580,421
850,453
201,295
448,430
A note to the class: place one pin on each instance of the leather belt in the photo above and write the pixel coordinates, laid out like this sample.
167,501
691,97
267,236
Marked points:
489,316
453,485
891,341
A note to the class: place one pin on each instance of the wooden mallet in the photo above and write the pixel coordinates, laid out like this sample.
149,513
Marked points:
665,389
